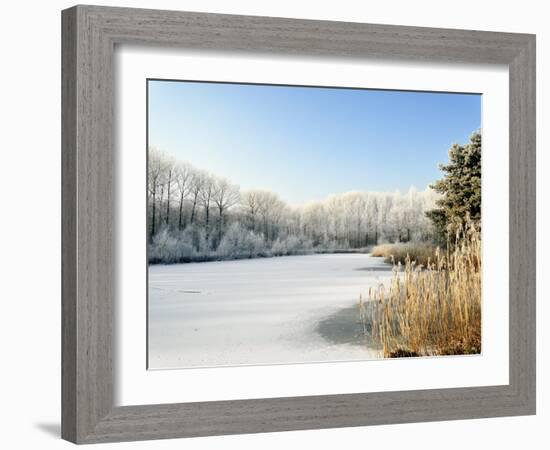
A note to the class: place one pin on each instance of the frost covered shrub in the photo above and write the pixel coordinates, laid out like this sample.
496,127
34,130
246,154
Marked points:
162,246
167,248
238,242
195,237
291,245
306,245
279,248
331,246
169,245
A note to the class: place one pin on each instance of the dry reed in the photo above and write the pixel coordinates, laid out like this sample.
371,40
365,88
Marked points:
420,252
435,310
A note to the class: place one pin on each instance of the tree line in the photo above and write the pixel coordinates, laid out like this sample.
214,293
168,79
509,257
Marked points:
194,215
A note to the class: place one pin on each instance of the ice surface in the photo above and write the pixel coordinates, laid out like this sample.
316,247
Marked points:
258,311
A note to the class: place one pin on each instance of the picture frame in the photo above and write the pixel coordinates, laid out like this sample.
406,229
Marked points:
89,37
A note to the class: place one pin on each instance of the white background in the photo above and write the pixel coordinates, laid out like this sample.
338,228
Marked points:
134,385
30,223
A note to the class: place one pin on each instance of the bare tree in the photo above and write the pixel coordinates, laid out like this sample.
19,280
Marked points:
154,176
184,176
372,217
206,197
313,219
358,206
251,207
334,211
225,196
197,182
169,169
269,205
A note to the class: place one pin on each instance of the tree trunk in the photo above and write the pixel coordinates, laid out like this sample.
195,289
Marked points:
220,224
253,222
181,211
160,204
207,221
193,209
154,212
168,200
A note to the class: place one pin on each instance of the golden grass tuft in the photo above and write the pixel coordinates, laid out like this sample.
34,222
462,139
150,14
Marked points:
435,310
419,252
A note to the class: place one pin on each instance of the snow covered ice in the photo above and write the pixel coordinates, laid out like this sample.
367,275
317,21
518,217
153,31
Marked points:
256,311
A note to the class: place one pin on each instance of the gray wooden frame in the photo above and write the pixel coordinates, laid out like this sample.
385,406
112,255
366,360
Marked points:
89,37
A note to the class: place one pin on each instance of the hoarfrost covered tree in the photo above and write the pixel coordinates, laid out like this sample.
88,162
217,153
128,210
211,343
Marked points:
168,169
269,208
226,195
197,181
251,207
258,223
159,169
153,174
313,218
206,197
334,212
372,217
413,214
358,206
184,178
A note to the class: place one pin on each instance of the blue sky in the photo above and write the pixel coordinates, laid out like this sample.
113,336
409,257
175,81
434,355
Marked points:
306,143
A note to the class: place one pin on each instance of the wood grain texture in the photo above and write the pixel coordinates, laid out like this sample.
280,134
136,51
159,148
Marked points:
522,224
89,37
68,226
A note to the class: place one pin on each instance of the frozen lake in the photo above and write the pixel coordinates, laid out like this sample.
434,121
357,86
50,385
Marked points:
261,311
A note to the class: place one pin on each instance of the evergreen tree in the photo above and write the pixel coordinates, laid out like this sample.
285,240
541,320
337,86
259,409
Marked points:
461,188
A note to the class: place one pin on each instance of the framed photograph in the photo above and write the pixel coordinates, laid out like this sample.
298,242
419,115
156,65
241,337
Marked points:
278,224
